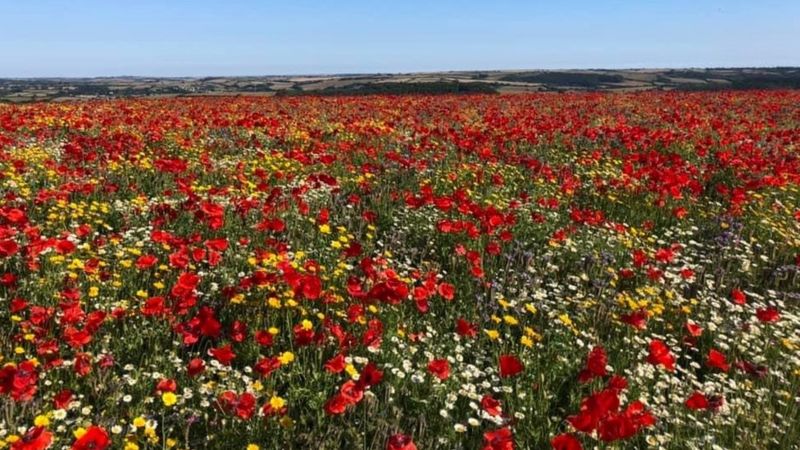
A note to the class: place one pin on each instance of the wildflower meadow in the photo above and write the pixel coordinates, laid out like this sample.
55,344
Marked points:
533,271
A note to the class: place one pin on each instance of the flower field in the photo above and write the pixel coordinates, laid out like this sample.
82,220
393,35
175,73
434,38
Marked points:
565,271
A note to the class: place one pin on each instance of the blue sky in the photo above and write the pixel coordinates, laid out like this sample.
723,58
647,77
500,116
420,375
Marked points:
238,37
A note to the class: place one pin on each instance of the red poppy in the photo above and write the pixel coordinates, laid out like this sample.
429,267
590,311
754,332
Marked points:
500,439
36,438
8,279
596,364
238,331
223,354
263,338
447,291
351,392
617,383
187,281
467,329
195,367
353,250
62,399
219,245
768,315
370,375
660,355
266,366
738,297
16,215
311,287
639,258
400,442
439,368
76,338
717,360
694,329
335,364
697,401
153,306
166,385
64,247
20,381
146,261
594,408
8,248
303,336
665,255
625,425
95,438
490,405
336,405
213,214
207,323
242,406
636,319
510,365
82,365
565,441
179,259
654,274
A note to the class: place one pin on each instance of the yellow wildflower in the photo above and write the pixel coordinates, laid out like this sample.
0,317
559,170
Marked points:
286,358
277,402
511,320
41,421
169,398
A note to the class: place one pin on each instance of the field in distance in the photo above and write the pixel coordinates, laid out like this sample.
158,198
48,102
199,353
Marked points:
505,81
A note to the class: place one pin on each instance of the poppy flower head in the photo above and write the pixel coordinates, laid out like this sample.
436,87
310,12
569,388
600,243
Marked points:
596,363
510,366
94,438
500,439
717,360
565,441
660,355
36,438
439,368
400,441
738,297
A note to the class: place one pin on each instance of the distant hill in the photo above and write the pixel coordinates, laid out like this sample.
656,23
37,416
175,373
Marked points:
500,81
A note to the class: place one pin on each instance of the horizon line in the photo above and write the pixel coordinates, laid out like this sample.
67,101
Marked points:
341,74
